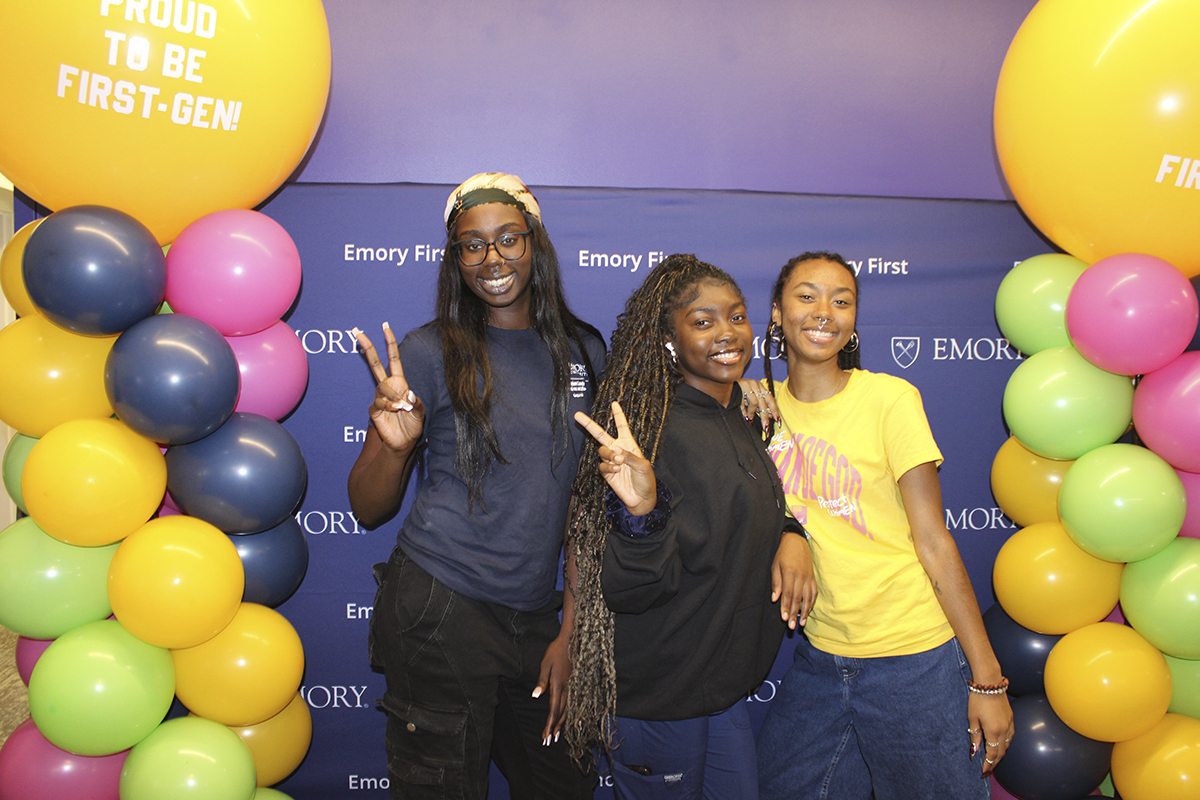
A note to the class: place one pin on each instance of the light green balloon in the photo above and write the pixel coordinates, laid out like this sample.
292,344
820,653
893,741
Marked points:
48,587
1185,686
1031,303
1121,502
1160,597
98,690
265,793
189,758
14,461
1061,406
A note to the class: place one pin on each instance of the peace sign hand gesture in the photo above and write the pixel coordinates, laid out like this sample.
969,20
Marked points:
397,413
622,464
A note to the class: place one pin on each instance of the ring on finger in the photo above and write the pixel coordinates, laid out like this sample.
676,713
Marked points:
992,744
990,761
972,731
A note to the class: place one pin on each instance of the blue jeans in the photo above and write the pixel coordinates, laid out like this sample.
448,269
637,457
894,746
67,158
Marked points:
841,727
709,758
459,676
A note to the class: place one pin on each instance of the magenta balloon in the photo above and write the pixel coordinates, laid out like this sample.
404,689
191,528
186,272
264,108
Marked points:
1132,313
274,371
28,653
33,769
1191,490
1166,412
237,270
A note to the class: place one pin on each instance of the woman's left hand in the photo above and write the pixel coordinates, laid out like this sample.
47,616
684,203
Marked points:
758,402
556,670
991,727
793,581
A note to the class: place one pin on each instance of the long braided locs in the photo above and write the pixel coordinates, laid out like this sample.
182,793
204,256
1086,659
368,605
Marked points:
641,375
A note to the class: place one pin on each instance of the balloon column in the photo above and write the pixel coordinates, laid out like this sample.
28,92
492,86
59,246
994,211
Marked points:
1096,107
120,611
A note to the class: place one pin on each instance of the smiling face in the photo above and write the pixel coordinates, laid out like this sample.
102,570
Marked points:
712,339
502,285
817,311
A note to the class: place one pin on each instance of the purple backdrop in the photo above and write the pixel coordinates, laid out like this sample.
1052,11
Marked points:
868,97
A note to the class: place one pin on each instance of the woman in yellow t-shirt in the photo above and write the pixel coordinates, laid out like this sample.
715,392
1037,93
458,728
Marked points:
895,666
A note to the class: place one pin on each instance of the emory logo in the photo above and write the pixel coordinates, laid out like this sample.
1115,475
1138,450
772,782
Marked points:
905,350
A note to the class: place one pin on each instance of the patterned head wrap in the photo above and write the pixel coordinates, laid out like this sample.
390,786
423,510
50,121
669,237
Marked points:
490,187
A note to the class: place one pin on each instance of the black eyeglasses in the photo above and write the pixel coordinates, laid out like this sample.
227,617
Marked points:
509,245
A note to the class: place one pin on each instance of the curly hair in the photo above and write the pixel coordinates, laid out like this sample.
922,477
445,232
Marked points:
641,375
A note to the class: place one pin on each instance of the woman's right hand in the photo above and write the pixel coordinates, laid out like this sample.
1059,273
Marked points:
628,473
397,413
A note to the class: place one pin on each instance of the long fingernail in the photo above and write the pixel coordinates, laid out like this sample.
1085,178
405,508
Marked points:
537,691
355,332
556,733
404,406
546,742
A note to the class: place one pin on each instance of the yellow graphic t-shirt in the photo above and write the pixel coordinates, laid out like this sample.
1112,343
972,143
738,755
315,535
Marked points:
840,460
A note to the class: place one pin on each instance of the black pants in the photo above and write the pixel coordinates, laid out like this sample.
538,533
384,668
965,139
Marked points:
460,673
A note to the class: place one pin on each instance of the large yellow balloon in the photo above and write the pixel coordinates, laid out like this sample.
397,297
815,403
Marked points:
245,674
1163,764
49,376
1025,484
91,482
280,743
1097,109
166,111
176,581
1107,683
1046,583
12,281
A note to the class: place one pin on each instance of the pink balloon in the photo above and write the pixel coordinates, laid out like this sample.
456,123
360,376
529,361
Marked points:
1191,490
1132,313
1166,412
274,371
33,769
1116,615
28,653
237,270
999,792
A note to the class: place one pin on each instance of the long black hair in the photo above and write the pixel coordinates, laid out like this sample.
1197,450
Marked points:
462,321
641,375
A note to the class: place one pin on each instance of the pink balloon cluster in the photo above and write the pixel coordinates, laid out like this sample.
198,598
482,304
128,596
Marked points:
239,271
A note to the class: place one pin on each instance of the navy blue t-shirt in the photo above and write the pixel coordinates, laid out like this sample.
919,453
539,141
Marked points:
506,551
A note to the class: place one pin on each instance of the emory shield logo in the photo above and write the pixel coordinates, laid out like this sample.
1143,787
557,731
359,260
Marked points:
905,350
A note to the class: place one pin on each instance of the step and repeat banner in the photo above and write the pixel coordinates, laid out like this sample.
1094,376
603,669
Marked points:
929,270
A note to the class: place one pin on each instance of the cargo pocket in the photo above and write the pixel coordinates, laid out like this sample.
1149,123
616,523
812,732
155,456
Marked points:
427,747
374,654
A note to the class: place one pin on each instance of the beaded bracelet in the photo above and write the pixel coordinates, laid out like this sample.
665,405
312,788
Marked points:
995,688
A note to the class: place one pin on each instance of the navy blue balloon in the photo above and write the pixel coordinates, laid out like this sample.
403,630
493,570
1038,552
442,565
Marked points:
1022,653
1046,760
94,270
245,477
274,560
1195,343
172,378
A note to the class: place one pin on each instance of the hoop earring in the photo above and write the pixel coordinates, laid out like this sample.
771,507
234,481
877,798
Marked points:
851,345
775,337
671,349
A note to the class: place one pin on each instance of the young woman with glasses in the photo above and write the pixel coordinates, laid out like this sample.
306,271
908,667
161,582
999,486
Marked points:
466,624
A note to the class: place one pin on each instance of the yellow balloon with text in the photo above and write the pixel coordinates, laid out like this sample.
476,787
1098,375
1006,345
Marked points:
12,280
1096,113
167,110
92,482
